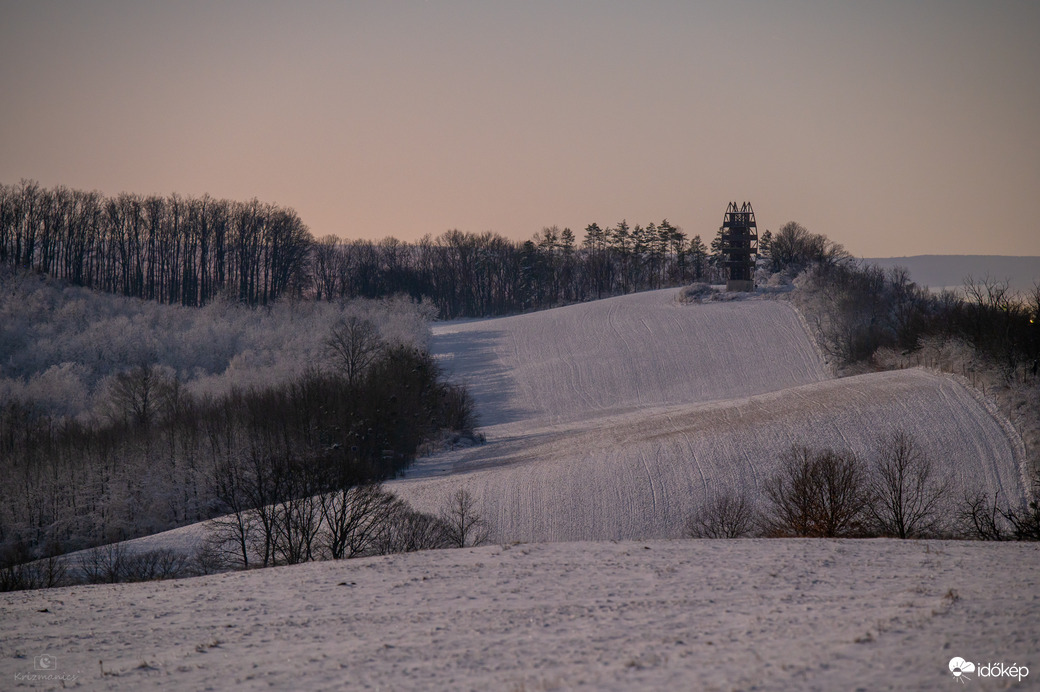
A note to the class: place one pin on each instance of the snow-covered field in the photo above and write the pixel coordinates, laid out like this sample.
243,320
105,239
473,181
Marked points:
639,475
623,354
616,419
662,615
606,420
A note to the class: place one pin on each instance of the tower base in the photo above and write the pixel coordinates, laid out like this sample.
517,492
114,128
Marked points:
734,285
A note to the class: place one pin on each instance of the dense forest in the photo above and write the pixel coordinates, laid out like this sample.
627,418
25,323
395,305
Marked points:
190,251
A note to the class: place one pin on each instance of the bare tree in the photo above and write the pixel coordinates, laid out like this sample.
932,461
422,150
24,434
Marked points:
104,564
354,345
729,514
235,528
464,527
908,495
817,493
297,524
407,530
1024,520
988,520
982,518
460,411
353,518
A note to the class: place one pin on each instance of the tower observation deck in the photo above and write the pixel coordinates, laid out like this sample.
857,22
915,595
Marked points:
739,246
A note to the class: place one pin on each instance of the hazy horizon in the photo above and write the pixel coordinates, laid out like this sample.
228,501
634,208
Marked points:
894,130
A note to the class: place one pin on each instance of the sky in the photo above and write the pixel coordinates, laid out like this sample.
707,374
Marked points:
894,128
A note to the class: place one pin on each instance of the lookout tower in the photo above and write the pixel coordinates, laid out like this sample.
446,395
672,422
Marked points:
740,246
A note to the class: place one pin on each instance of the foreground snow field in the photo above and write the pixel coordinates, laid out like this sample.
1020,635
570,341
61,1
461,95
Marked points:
744,614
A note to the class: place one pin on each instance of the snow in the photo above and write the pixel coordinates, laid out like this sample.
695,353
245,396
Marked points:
609,420
639,475
624,353
615,419
743,614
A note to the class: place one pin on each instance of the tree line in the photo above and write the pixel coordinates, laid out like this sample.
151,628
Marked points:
898,493
176,250
482,274
191,250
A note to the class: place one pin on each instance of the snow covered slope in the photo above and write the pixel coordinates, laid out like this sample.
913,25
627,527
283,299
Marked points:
639,475
658,615
604,422
616,419
624,353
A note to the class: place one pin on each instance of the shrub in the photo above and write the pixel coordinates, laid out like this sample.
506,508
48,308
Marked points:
729,514
818,493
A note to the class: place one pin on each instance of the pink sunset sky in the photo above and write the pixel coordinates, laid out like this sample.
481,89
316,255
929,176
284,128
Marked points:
895,128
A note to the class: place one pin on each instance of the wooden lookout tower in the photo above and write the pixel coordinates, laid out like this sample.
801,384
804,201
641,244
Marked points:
740,246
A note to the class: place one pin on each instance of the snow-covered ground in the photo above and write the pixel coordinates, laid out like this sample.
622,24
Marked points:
606,420
663,615
639,475
623,354
615,419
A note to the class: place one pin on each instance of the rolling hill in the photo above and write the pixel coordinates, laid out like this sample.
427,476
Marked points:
606,420
615,419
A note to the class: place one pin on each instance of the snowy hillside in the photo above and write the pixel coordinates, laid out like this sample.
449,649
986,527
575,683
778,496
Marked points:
615,419
639,475
624,353
607,420
602,422
661,615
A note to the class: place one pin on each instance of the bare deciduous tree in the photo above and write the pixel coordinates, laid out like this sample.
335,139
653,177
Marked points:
908,495
982,518
817,493
234,528
353,518
354,345
463,526
407,530
991,520
138,395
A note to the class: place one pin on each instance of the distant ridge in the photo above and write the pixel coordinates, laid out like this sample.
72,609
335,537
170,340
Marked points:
949,271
